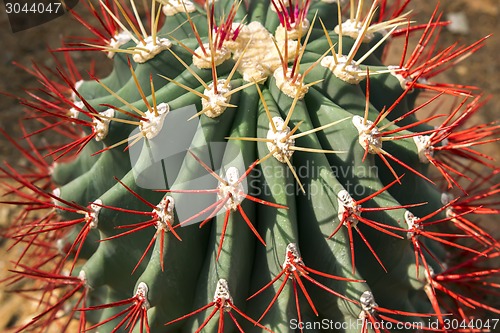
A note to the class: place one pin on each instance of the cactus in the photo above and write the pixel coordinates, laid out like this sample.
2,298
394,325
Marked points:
255,166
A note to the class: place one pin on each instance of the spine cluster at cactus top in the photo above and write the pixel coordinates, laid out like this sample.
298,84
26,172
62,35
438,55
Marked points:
252,166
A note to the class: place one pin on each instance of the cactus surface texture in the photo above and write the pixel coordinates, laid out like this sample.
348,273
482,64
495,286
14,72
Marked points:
253,166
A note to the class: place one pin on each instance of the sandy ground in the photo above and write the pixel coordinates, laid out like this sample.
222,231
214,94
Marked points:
481,70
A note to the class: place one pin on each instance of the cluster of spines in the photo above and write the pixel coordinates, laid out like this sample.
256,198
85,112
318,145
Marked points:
446,146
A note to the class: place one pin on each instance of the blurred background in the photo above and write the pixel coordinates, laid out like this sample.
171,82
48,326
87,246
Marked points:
472,21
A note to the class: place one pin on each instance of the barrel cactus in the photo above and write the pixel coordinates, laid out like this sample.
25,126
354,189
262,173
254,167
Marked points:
255,166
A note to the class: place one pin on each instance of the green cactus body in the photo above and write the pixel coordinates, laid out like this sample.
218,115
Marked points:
300,191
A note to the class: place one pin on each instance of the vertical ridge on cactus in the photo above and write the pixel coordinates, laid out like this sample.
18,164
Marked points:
282,102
